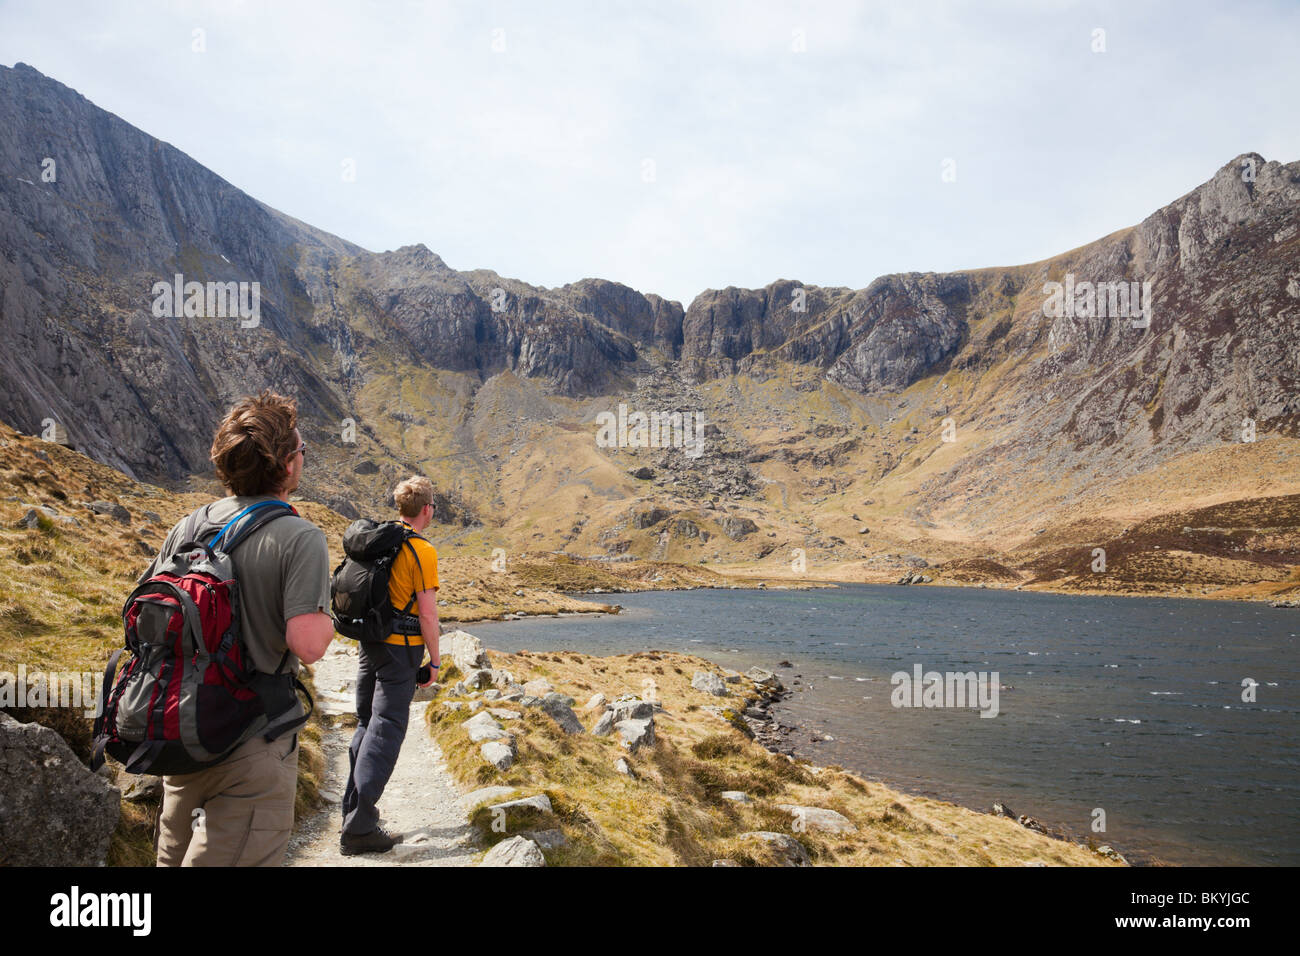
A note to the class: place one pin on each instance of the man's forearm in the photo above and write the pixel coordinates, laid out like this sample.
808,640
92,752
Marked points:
431,630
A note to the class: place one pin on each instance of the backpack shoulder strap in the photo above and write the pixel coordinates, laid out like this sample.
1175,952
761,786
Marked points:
197,519
237,529
406,542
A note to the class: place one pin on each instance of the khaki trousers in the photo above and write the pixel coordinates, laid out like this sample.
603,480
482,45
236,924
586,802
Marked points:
238,813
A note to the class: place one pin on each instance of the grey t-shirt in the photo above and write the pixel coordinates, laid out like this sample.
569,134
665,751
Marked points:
283,571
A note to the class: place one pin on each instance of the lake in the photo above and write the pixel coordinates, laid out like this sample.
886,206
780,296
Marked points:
1131,706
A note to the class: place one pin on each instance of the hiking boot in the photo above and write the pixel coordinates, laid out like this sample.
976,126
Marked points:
376,841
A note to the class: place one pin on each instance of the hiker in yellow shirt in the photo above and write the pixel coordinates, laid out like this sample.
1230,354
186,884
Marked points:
387,674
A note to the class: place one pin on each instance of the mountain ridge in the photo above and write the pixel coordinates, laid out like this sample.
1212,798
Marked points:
818,398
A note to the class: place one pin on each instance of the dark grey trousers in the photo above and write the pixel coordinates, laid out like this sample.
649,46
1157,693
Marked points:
385,687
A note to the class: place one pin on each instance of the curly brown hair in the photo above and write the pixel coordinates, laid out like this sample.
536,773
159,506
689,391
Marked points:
253,442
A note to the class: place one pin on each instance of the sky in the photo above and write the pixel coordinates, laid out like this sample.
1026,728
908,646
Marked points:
677,147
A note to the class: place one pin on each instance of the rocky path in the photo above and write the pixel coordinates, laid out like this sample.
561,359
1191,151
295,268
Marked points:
422,802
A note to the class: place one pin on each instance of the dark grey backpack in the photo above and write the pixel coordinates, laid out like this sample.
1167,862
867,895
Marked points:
359,601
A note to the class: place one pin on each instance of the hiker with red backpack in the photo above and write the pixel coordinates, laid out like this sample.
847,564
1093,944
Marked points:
209,699
385,596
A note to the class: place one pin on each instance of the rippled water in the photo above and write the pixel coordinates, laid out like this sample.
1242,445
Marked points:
1130,705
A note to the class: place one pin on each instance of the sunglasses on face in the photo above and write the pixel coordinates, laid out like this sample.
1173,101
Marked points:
302,450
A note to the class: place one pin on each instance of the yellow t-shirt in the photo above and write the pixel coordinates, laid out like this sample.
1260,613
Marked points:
405,579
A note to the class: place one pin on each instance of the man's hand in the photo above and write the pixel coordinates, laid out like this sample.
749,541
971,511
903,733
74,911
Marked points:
433,676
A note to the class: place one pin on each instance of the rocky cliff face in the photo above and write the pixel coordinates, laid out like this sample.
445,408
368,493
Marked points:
495,366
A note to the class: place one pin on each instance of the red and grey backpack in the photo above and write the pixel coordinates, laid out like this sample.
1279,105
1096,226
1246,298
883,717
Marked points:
189,695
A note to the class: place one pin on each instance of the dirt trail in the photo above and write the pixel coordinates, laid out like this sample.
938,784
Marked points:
421,802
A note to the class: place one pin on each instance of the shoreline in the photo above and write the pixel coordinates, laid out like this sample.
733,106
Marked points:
708,776
762,715
1130,856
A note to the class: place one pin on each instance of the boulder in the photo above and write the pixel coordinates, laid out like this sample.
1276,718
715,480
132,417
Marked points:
737,528
516,851
485,795
631,708
143,788
478,679
538,801
32,518
552,839
597,700
710,684
466,651
605,726
498,754
763,678
818,818
622,766
112,509
538,687
483,727
559,709
53,811
637,733
737,796
1110,853
500,713
785,849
